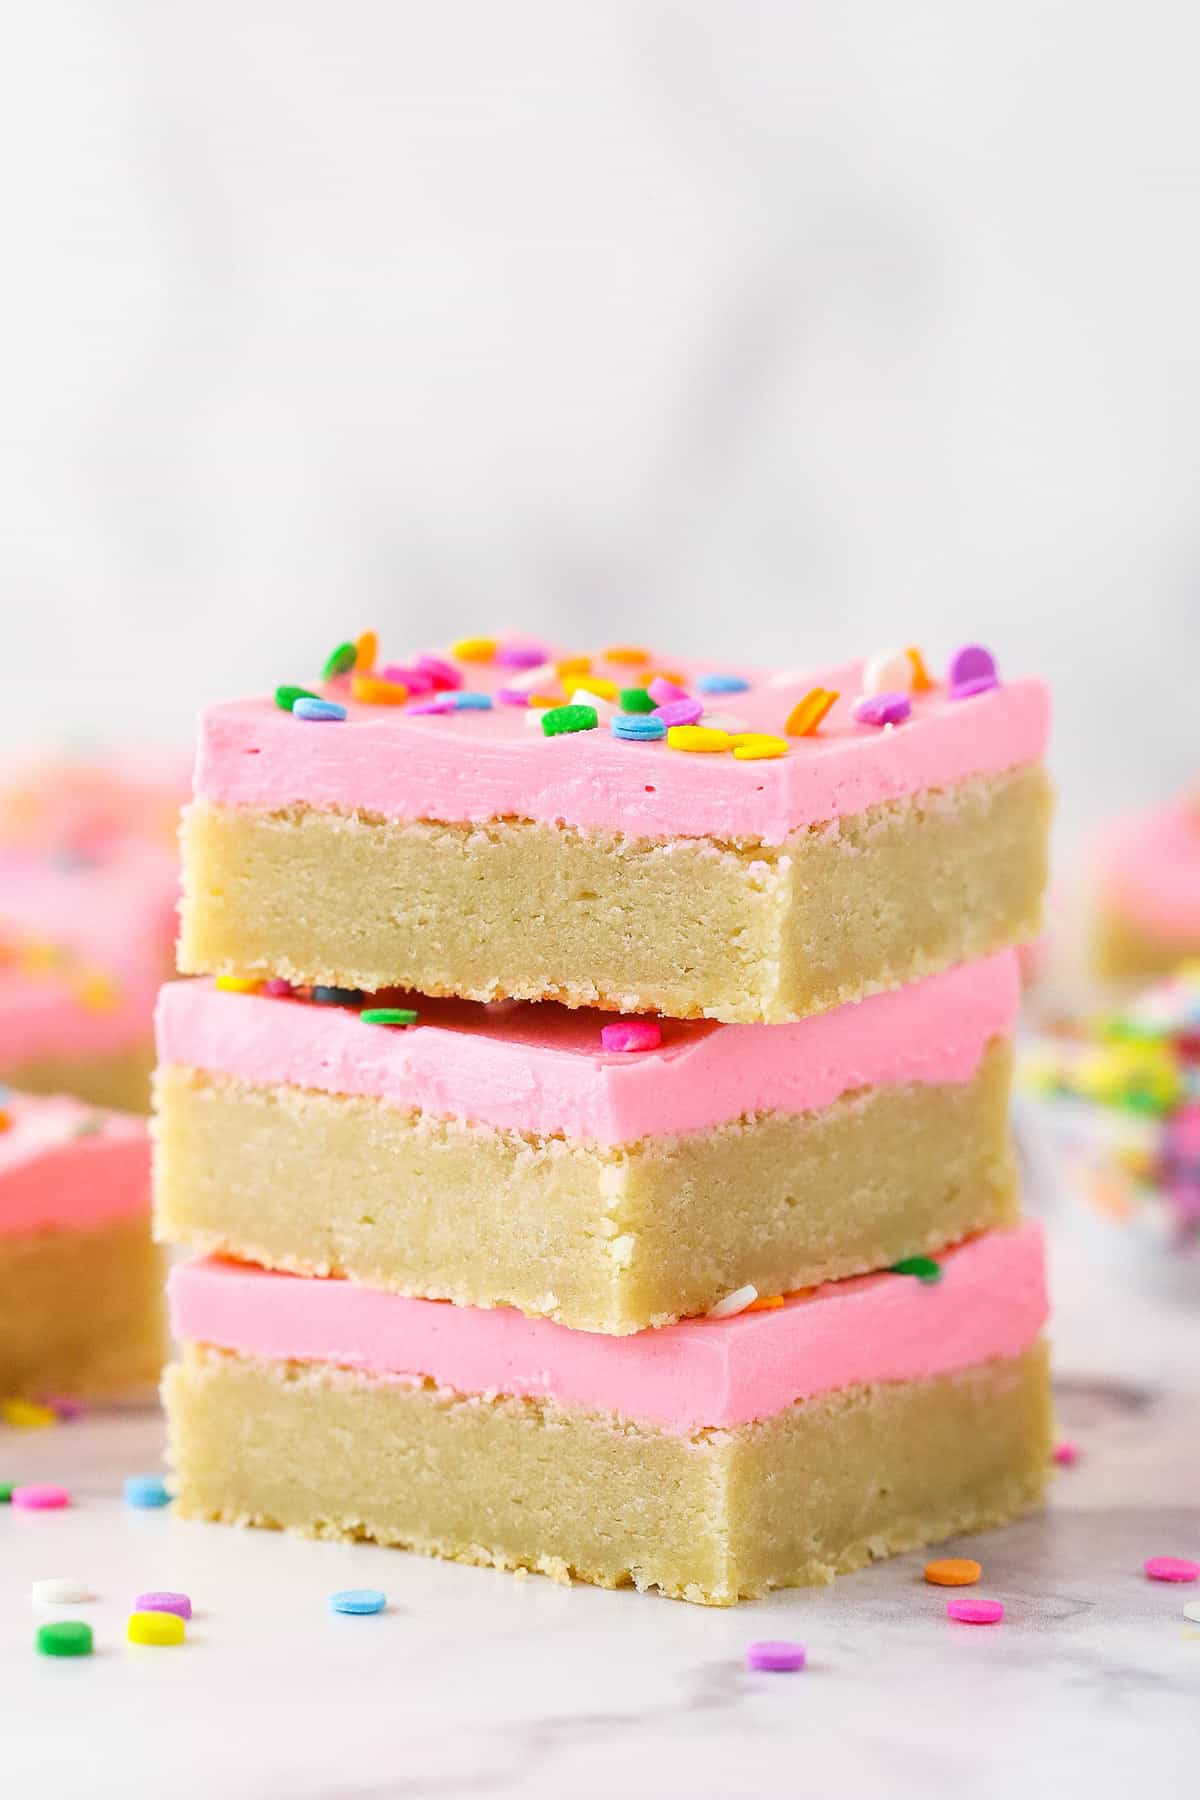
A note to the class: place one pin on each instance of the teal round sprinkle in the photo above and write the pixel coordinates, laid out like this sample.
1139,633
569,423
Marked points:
923,1267
637,727
636,700
358,1600
65,1637
389,1015
559,720
146,1490
339,661
472,702
286,697
318,710
336,996
721,684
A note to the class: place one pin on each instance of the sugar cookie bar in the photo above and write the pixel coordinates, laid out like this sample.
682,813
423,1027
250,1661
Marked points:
505,1156
80,1281
1146,882
751,865
713,1460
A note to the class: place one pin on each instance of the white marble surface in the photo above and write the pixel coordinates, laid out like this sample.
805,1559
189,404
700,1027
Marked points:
474,1684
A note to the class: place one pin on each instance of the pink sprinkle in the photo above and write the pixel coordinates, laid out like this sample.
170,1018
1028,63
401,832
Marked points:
40,1497
442,674
882,709
66,1408
972,671
632,1034
1066,1454
165,1601
776,1653
277,987
443,704
522,656
679,712
975,1612
1158,1568
663,691
417,681
510,696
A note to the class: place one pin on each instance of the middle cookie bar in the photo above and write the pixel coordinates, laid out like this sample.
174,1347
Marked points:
501,1155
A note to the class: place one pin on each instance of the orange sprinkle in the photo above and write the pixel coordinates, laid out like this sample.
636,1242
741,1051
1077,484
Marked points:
366,649
374,691
765,1303
5,1120
753,746
671,675
922,679
807,714
474,649
545,700
570,666
626,653
698,737
953,1571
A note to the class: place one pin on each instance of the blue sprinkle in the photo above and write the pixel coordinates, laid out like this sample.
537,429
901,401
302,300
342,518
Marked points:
318,709
336,996
472,702
146,1490
358,1600
637,727
721,684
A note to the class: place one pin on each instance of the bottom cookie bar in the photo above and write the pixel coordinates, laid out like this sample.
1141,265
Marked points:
115,1079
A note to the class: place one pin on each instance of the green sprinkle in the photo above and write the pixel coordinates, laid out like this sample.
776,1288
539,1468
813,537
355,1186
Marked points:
341,661
637,700
923,1267
286,697
388,1015
66,1637
6,1488
560,719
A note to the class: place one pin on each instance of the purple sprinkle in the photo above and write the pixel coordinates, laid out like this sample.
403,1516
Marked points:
663,691
882,709
972,671
179,1604
522,656
776,1654
277,987
679,712
417,681
444,674
64,1408
512,696
445,703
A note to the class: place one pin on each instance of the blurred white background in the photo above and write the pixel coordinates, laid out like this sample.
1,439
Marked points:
776,330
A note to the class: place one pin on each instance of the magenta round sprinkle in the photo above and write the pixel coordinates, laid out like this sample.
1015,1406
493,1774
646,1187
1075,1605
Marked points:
679,712
972,671
442,674
510,696
1066,1454
1158,1568
632,1034
417,681
882,709
40,1497
165,1601
662,691
277,987
444,703
776,1654
522,656
975,1612
66,1408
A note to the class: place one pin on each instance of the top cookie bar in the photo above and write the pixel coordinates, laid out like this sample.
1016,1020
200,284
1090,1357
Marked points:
620,829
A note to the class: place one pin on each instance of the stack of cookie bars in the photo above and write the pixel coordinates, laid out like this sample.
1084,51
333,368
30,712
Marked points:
594,1136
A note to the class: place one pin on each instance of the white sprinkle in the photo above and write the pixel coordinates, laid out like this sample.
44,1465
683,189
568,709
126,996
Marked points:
59,1590
585,697
733,1303
532,681
1192,1611
791,678
888,672
723,722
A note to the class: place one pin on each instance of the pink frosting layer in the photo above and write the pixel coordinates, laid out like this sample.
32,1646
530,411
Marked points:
473,766
65,1166
543,1068
1148,870
991,1301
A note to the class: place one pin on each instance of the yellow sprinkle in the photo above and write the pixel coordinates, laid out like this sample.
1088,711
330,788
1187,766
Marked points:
97,992
753,746
366,649
602,687
626,653
765,1303
239,984
27,1415
474,649
807,714
922,680
155,1628
698,737
372,691
570,666
37,956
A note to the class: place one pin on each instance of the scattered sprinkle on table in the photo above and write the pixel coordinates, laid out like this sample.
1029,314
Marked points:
1066,1454
882,709
808,712
952,1571
1172,1568
159,1629
923,1267
389,1015
40,1496
776,1654
358,1600
27,1415
632,1034
559,721
59,1590
165,1601
734,1303
316,711
975,1612
65,1637
146,1491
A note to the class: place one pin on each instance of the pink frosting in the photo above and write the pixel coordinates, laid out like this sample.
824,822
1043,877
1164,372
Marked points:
1148,870
543,1068
991,1301
471,766
66,1166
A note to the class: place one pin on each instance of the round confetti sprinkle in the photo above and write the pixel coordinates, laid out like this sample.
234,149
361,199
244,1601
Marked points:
59,1590
721,684
953,1571
587,697
776,1654
40,1496
512,696
882,709
923,1267
887,672
318,711
146,1491
698,738
680,712
636,700
521,656
389,1015
277,988
358,1600
472,702
637,727
1066,1454
159,1629
336,996
733,1304
807,713
441,673
441,703
663,692
561,720
65,1637
417,681
972,671
286,697
338,662
164,1601
975,1612
632,1034
1171,1568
